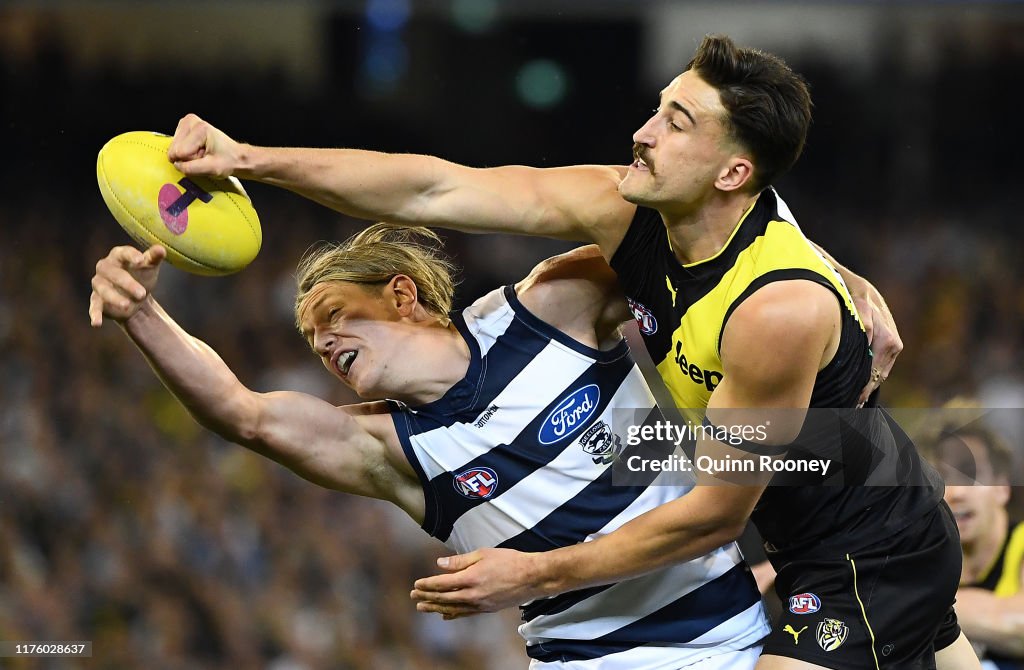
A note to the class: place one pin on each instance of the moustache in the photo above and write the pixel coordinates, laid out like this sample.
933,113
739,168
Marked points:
640,154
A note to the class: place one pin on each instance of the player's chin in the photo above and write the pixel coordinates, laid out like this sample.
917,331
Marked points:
630,192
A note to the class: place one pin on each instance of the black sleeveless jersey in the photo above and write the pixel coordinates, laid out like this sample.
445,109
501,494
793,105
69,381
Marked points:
877,484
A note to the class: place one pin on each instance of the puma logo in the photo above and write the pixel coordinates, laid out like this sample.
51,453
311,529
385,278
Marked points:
672,289
794,633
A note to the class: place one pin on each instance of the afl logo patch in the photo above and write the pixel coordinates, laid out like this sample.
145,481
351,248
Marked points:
476,483
569,415
644,318
804,603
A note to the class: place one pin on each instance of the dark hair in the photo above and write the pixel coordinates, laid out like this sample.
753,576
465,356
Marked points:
768,104
1000,457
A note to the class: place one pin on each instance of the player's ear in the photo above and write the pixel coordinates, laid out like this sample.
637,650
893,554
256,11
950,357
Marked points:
736,174
402,293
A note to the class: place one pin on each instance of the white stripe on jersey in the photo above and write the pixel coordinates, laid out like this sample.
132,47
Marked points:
518,402
534,497
783,209
488,318
632,599
667,486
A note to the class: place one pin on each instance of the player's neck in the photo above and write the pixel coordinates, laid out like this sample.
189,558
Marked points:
700,234
439,358
981,554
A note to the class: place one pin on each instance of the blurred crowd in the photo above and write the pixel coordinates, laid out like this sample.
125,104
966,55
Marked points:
124,523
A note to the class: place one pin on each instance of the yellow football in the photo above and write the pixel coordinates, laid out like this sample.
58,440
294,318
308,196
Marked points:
208,226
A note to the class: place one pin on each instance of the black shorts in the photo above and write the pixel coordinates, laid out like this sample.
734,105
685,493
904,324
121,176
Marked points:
889,606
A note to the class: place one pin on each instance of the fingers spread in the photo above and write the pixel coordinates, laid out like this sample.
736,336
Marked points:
109,294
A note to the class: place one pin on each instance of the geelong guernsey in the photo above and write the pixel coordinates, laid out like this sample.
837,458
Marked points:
682,311
518,454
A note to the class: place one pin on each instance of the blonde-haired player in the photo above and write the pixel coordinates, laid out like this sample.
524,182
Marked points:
466,429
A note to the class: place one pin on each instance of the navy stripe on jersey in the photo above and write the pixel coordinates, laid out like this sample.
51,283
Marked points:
682,620
559,603
487,377
523,456
547,330
557,494
588,511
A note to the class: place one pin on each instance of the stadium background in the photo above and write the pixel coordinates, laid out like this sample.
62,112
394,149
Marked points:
123,523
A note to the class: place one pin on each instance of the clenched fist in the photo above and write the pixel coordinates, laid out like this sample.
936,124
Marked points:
199,149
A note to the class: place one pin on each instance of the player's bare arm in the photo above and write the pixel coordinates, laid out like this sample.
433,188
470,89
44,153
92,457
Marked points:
578,203
773,346
354,449
995,622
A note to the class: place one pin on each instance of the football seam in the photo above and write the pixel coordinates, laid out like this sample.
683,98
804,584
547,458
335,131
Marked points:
231,199
139,223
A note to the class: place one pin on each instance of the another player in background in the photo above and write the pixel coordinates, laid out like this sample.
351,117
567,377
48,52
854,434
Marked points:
498,429
738,310
990,602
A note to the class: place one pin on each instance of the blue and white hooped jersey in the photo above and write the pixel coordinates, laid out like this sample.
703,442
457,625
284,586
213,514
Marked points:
518,454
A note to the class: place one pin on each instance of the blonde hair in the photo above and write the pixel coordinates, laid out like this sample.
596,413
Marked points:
376,255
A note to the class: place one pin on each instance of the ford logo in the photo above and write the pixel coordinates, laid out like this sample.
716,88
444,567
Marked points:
570,415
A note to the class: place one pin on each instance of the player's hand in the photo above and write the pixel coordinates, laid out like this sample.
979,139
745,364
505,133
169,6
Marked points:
485,580
883,337
123,282
199,149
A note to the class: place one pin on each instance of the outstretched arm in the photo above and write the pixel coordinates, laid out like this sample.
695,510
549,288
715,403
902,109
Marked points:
772,349
578,203
335,447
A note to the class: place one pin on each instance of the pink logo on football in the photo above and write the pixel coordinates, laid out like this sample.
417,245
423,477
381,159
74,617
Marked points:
174,204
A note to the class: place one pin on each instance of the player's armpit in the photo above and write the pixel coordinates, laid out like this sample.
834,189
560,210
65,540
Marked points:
350,450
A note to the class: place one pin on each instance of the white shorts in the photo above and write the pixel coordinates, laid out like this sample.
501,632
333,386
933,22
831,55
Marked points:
658,658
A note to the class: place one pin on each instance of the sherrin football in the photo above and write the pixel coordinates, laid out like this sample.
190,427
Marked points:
208,226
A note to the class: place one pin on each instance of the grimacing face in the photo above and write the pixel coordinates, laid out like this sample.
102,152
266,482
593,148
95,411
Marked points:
682,150
356,333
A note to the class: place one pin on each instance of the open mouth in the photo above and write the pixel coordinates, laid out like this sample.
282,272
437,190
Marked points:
963,517
343,362
638,161
639,164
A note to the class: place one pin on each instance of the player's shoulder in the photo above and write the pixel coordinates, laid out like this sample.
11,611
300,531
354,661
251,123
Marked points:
573,292
578,273
779,325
